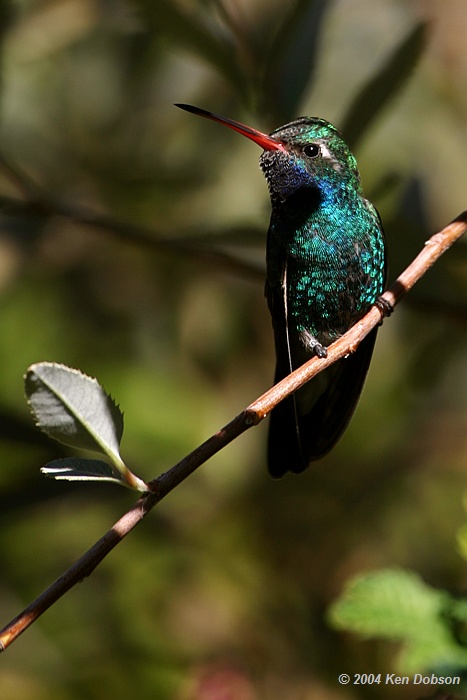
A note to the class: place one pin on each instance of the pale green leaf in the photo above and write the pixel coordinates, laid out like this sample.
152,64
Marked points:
397,605
392,602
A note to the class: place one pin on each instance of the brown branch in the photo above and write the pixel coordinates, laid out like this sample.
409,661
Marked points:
252,415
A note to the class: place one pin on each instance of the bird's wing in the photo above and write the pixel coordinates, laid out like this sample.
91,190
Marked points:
306,425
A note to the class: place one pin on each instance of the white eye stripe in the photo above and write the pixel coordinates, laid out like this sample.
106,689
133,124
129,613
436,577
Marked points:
325,152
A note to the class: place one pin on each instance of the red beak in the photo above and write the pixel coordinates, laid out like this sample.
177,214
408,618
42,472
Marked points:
264,140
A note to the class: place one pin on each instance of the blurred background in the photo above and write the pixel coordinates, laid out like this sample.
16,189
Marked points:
132,247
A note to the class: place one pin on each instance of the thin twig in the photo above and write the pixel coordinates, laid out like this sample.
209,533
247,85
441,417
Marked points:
251,416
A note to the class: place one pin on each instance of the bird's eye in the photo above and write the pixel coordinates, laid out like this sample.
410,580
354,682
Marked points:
311,150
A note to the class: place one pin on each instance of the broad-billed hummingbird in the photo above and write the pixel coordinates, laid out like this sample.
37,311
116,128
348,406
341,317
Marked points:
326,265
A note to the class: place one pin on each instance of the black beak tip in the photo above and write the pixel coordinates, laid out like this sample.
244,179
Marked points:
188,108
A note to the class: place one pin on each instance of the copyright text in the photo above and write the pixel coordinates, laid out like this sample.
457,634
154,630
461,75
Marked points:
394,679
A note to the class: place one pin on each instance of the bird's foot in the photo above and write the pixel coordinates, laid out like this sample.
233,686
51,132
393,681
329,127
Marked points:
312,345
385,307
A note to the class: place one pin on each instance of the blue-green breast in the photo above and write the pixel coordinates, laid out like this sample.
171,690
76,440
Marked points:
325,243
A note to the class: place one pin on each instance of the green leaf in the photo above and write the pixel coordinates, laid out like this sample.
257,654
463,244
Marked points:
74,409
397,605
76,469
394,603
376,94
292,58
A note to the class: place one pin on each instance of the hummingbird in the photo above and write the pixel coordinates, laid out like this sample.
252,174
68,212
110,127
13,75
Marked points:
325,267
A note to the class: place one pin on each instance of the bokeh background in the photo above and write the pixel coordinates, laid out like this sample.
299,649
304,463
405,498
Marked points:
132,247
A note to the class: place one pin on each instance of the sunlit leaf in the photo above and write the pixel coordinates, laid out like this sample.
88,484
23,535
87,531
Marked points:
397,605
392,602
74,409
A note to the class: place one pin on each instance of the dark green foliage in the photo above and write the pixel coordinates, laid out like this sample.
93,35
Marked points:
291,61
384,86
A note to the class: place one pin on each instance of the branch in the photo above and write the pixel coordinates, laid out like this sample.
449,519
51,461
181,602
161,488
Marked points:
251,416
